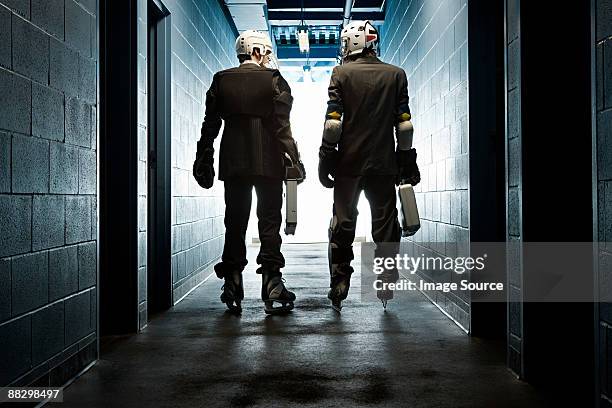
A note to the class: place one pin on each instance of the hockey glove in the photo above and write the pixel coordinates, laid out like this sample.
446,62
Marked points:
297,172
407,166
328,159
203,167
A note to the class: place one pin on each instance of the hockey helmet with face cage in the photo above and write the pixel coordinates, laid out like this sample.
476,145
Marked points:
248,40
358,36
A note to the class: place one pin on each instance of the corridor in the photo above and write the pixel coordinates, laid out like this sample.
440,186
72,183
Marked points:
108,241
197,355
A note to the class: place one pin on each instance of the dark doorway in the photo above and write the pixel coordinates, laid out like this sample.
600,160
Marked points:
118,159
487,153
558,338
159,273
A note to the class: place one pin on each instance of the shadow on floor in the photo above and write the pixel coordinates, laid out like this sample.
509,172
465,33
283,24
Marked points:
198,355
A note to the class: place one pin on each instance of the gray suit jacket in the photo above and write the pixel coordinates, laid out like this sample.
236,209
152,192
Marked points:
371,96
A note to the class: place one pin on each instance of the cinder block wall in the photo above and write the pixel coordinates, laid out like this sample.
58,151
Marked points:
143,152
513,160
429,40
604,189
202,43
47,189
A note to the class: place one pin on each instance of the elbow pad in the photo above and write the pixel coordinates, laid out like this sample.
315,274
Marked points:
332,131
404,133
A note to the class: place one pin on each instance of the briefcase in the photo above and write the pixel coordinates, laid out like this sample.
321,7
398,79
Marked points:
291,183
409,213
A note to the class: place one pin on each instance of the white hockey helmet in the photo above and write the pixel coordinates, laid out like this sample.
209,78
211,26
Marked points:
248,40
358,36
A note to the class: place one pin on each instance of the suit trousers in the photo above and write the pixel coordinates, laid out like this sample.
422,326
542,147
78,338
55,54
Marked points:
238,193
381,193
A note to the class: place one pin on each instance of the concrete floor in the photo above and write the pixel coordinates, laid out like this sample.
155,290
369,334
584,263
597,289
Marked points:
198,355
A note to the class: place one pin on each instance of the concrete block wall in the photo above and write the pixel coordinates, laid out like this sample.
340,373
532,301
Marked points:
513,177
202,43
142,84
604,189
428,39
48,189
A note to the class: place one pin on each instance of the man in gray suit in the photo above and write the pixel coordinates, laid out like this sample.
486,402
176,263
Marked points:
367,146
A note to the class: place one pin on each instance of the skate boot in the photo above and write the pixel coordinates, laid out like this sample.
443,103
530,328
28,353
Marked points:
340,282
273,290
340,270
384,295
233,291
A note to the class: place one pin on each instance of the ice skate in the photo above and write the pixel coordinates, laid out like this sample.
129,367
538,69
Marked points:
277,299
233,291
384,295
340,283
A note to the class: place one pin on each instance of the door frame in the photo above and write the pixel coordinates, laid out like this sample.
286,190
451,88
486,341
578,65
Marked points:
159,265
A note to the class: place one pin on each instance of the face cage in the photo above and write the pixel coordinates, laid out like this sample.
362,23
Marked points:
272,61
344,49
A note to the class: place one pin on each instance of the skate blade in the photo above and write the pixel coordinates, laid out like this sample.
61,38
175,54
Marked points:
284,309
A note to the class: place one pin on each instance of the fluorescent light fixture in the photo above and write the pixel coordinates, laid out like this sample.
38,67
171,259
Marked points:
303,41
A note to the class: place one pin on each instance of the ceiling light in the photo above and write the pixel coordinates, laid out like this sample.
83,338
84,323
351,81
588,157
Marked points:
303,41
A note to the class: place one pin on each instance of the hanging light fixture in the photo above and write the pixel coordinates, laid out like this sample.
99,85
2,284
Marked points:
303,41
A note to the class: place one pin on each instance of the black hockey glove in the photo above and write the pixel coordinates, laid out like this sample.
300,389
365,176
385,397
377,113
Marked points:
328,159
203,167
302,171
408,169
297,172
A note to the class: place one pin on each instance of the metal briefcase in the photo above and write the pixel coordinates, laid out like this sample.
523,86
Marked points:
290,206
409,212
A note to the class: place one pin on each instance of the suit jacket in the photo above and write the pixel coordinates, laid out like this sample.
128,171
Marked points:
255,103
371,96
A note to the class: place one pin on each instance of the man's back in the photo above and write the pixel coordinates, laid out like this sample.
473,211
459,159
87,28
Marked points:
370,92
245,90
255,103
